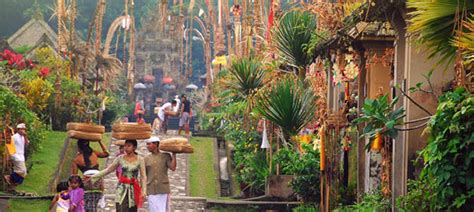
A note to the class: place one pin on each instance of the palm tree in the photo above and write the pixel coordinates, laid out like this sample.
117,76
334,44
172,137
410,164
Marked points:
466,43
291,38
247,76
289,105
437,22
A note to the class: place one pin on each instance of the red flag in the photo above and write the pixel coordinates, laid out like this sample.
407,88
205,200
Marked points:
270,21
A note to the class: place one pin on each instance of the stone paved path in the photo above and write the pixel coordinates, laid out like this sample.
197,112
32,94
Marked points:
179,179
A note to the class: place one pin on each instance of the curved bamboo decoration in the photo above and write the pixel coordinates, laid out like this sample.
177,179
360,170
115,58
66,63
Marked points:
131,61
111,32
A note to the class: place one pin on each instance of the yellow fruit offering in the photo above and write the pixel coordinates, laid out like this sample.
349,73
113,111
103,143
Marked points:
376,143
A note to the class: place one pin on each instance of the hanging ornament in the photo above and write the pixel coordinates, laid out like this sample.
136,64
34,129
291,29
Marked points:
322,146
376,145
265,144
347,94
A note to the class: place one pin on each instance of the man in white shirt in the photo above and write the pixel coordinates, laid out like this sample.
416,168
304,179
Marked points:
163,114
178,103
20,140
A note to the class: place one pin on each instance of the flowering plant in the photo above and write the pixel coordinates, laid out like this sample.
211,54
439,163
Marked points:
16,61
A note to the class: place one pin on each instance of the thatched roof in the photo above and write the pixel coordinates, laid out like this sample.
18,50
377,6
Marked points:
368,22
33,34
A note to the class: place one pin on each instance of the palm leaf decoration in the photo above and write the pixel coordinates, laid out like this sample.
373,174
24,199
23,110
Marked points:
289,105
466,42
292,37
436,21
247,75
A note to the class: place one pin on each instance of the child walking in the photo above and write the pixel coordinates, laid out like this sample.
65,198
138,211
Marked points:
62,199
76,194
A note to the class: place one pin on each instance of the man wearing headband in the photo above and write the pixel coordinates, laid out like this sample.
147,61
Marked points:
158,186
20,140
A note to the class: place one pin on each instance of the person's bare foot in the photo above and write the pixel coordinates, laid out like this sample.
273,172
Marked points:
7,179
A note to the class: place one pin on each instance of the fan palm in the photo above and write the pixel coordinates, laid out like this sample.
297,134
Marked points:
466,42
289,105
292,36
436,21
247,76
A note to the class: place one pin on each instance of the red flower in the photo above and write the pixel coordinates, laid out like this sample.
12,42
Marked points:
7,54
44,71
30,64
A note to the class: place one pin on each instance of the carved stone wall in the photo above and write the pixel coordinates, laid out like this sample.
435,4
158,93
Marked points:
159,52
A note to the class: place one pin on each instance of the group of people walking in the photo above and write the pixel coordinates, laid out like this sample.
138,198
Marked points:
138,179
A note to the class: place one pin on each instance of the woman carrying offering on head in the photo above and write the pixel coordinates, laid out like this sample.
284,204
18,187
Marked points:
131,188
86,160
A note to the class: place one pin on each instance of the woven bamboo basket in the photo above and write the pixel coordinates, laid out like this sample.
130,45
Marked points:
130,127
137,135
85,127
176,145
84,135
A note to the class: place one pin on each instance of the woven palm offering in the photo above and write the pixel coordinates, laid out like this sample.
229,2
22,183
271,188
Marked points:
85,131
176,145
131,131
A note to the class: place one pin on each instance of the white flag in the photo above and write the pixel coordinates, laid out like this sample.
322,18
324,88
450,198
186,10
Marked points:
265,144
201,12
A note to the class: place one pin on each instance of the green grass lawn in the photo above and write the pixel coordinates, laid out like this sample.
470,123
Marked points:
203,176
44,165
28,205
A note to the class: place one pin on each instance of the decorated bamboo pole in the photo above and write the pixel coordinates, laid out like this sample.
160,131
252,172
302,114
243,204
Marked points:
191,28
61,14
258,28
230,50
98,25
72,72
237,12
322,166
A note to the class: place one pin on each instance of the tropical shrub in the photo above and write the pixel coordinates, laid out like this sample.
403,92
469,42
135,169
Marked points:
69,108
420,196
248,159
16,110
293,37
37,92
373,201
246,76
287,104
449,153
380,118
305,167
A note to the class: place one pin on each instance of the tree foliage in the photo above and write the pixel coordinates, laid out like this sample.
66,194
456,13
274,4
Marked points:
15,109
380,117
437,22
293,36
449,154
